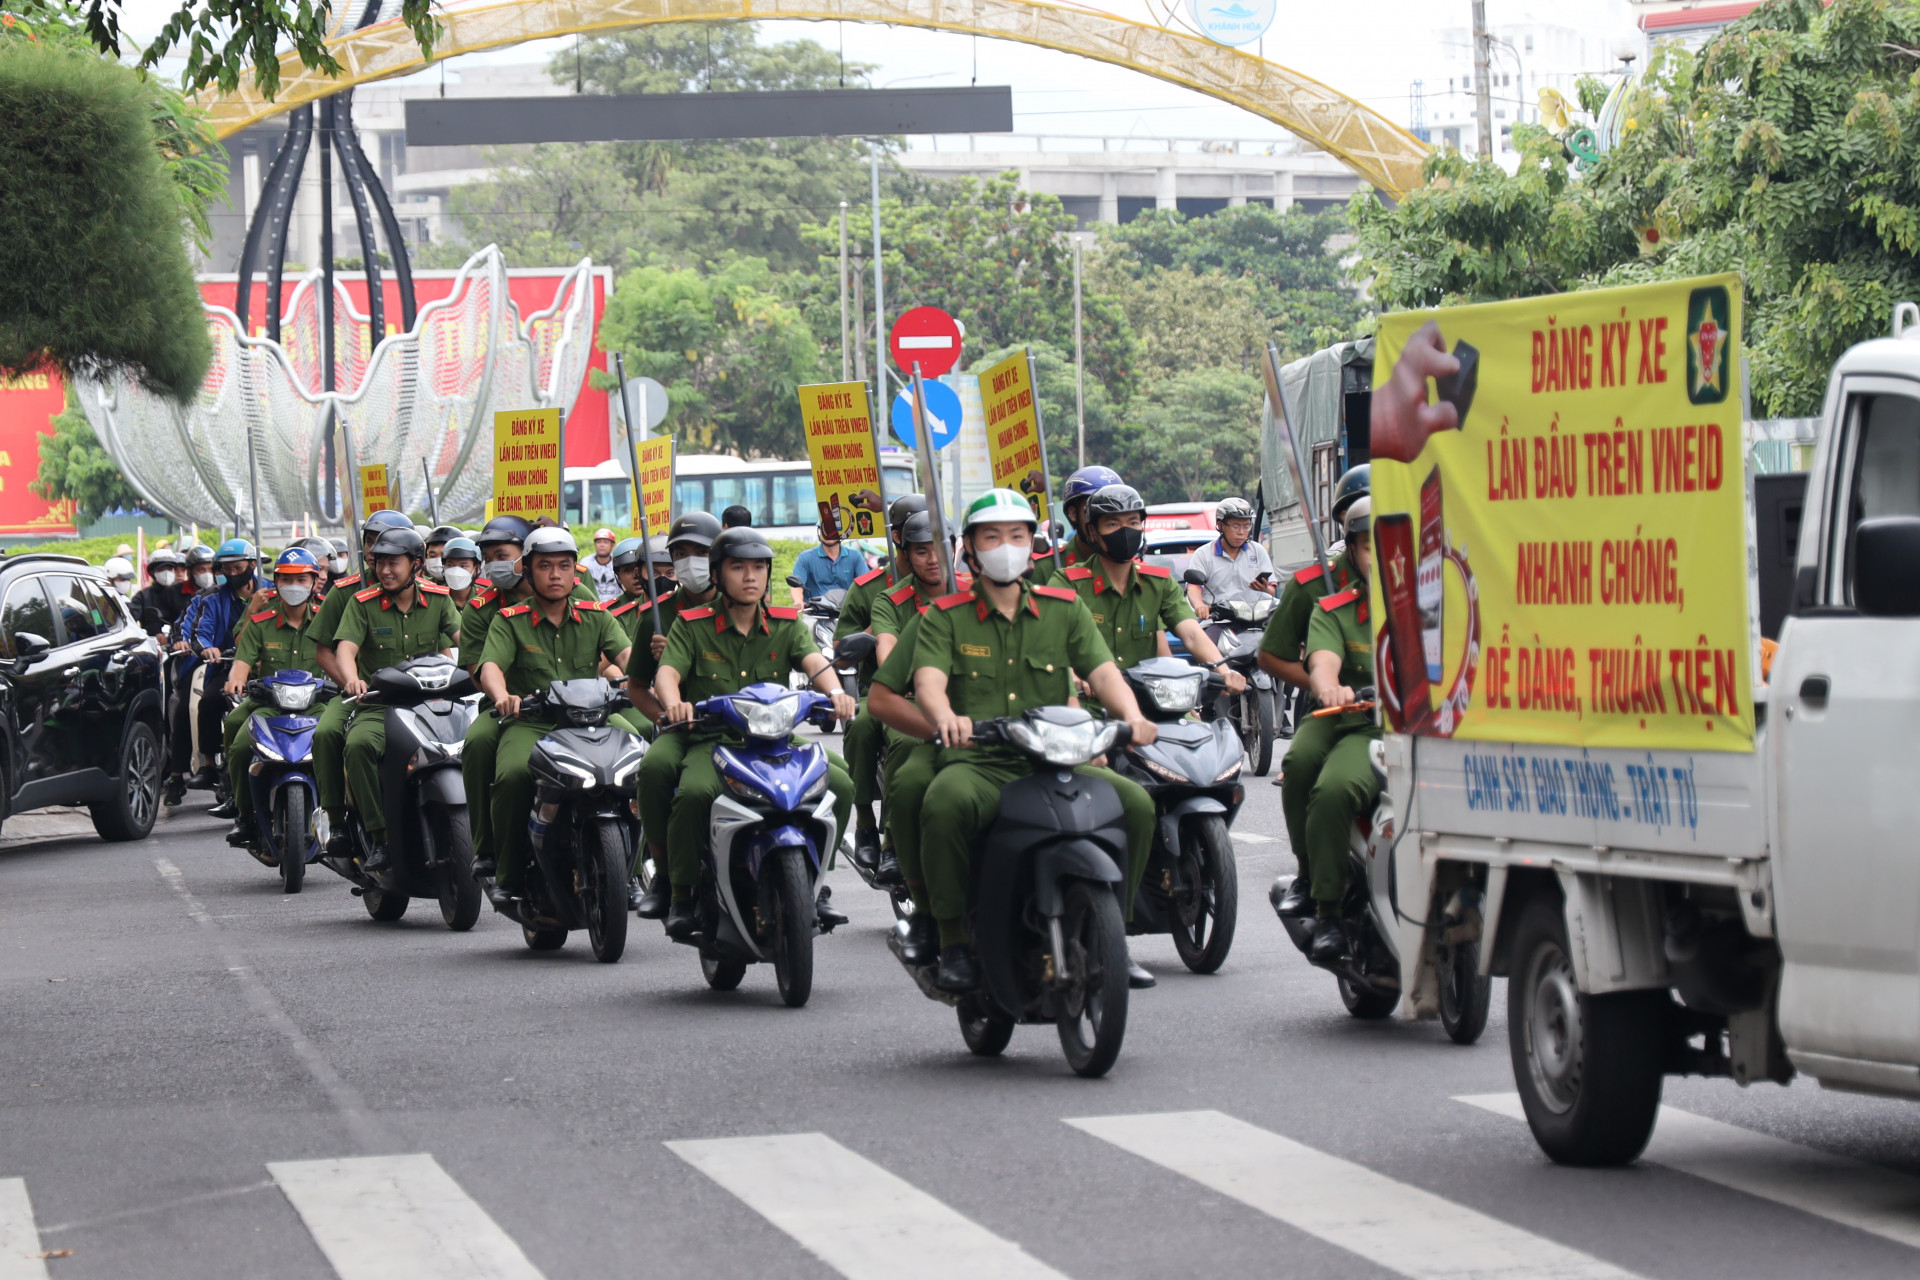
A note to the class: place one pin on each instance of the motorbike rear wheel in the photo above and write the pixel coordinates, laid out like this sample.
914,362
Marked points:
603,861
722,975
293,833
1253,717
1205,915
1465,996
984,1027
453,843
786,904
543,938
1094,1019
384,905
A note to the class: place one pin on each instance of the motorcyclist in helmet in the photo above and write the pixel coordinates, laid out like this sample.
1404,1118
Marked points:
1234,563
1080,487
738,641
197,587
120,574
161,602
437,539
401,616
217,618
279,638
460,569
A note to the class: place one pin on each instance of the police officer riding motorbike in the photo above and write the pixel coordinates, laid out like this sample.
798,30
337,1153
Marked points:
1074,496
276,639
1283,645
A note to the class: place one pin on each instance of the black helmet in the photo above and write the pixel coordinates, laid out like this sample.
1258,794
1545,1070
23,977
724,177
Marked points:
200,554
164,558
1353,483
382,520
443,533
1114,500
503,529
902,509
399,542
743,542
698,527
917,530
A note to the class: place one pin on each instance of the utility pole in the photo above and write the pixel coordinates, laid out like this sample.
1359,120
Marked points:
846,357
1482,70
881,403
1079,361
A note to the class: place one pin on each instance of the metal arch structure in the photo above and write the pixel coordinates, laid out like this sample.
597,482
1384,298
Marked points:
1374,147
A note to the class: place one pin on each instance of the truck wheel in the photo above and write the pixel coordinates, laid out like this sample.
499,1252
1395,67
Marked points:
1589,1067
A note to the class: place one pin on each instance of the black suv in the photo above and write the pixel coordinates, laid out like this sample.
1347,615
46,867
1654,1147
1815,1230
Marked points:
81,711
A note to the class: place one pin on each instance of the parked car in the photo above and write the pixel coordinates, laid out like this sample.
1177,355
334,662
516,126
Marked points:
1180,516
81,711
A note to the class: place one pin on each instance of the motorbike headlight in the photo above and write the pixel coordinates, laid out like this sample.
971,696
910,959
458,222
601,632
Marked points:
629,765
294,697
1064,744
1175,693
769,719
816,787
1232,770
265,748
744,789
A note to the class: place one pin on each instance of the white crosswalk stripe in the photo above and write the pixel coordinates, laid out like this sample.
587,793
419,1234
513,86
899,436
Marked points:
853,1215
1399,1227
19,1237
398,1218
1851,1192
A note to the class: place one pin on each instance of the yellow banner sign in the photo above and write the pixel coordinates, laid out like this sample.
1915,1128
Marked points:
1568,565
840,446
1013,430
375,493
656,482
526,463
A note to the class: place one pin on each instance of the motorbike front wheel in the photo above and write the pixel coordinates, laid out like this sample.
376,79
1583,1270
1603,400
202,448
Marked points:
1465,996
384,905
986,1030
453,844
293,833
1254,718
786,904
604,857
1208,907
722,975
1094,1019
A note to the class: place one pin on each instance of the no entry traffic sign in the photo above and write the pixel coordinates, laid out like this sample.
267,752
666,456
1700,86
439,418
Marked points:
928,335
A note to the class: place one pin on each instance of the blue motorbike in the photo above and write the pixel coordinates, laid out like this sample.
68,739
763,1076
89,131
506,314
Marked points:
766,838
280,778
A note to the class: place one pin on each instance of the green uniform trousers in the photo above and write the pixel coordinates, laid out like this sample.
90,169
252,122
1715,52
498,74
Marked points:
911,766
659,775
508,796
366,743
330,754
1327,782
236,739
700,786
476,774
963,802
866,740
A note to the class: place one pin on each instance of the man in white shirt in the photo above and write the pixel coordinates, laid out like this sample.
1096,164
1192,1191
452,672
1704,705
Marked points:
599,565
1233,562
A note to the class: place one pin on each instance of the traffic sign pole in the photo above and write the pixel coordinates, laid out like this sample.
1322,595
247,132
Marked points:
1046,472
925,455
639,499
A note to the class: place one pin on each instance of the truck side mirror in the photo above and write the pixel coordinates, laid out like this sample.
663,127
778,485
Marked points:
1194,577
1886,567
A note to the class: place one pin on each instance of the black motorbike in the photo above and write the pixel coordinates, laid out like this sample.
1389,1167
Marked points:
583,825
1043,905
847,657
822,614
429,708
1236,627
1192,770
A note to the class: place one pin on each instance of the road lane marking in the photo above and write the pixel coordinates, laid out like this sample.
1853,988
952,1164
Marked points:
1390,1223
1851,1192
1253,837
398,1218
853,1215
19,1238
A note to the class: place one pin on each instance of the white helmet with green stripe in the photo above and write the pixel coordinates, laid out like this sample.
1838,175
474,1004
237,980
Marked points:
1000,505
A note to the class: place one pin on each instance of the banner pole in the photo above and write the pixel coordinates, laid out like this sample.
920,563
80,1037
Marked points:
1296,464
433,504
923,447
1046,472
639,496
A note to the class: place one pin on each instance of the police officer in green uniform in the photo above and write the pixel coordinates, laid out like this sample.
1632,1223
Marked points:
402,616
865,737
330,735
276,639
1329,778
688,540
1074,496
999,649
551,636
712,651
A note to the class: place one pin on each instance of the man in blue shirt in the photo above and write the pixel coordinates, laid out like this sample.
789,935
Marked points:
822,568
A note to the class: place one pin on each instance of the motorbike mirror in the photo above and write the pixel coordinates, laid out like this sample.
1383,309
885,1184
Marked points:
1194,578
793,581
26,647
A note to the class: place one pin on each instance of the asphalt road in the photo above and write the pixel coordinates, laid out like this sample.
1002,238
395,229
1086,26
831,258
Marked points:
203,1077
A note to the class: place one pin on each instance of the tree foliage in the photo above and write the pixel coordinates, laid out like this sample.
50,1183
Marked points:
73,465
1787,149
1196,435
1188,320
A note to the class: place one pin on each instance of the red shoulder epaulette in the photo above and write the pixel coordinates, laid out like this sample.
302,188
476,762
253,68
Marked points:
479,602
1308,574
869,576
902,593
619,609
589,604
1043,553
260,617
368,594
1057,593
1332,602
434,589
953,601
1079,573
347,581
515,610
786,613
695,615
1151,570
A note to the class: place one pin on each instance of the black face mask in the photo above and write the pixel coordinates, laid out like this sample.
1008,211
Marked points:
665,586
1122,544
241,580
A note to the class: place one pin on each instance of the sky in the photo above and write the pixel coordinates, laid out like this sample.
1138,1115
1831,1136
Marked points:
1372,51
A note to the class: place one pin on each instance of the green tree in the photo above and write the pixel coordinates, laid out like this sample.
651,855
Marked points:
73,465
547,206
1189,320
1194,436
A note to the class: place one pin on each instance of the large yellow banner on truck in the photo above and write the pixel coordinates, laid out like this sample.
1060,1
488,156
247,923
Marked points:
1559,525
840,447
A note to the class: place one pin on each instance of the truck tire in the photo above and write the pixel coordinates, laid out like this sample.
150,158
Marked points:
1589,1067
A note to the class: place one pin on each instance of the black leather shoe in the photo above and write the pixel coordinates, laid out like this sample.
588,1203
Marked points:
340,843
866,847
1293,902
887,874
654,902
919,939
242,834
176,791
502,899
205,780
225,809
1329,944
482,867
379,861
680,921
1138,979
633,892
959,971
829,916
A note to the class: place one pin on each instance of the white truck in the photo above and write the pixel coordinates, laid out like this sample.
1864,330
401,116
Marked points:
1746,915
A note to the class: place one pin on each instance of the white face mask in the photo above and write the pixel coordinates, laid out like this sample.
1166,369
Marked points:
692,573
164,577
337,564
459,579
203,580
433,566
124,586
1005,563
295,593
502,573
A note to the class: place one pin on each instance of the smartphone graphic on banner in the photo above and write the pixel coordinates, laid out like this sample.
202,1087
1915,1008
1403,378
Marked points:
1393,548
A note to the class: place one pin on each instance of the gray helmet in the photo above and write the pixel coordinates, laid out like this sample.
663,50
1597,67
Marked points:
1353,483
504,529
1359,516
460,545
200,554
549,542
1117,500
1233,509
626,552
320,547
902,509
399,542
657,550
917,530
698,527
742,542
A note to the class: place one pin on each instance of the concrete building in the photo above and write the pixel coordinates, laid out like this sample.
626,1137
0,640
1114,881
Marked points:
1528,56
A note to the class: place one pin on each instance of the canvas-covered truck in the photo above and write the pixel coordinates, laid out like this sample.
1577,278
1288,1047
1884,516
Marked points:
1683,863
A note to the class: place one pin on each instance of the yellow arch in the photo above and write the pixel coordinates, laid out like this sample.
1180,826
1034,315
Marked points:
1374,147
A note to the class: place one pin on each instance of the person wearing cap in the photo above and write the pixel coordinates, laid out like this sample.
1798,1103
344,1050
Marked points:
599,566
1233,562
1329,777
279,638
738,641
161,602
1001,648
826,566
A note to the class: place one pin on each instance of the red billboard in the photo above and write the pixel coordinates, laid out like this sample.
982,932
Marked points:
28,406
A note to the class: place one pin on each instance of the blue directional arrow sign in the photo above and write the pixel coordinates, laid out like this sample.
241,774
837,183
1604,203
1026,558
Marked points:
943,414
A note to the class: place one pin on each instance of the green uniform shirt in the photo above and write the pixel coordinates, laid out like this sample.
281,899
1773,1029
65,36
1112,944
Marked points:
897,671
639,623
271,643
533,654
387,636
998,666
1286,633
339,596
477,618
906,599
625,609
1340,626
713,658
1130,621
857,610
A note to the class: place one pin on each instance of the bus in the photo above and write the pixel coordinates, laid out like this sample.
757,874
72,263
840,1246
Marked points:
778,494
